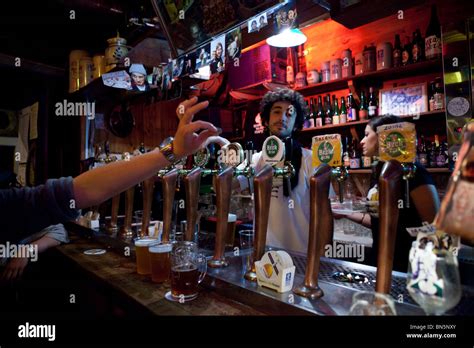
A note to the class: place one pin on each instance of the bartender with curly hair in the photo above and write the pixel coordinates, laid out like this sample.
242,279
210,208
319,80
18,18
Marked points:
283,112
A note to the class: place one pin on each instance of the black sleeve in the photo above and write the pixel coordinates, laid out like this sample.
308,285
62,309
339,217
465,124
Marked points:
28,210
422,177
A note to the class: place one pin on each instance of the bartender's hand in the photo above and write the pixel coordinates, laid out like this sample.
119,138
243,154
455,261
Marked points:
14,268
186,141
217,140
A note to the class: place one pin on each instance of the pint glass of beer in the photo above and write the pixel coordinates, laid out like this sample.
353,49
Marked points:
188,269
142,254
160,262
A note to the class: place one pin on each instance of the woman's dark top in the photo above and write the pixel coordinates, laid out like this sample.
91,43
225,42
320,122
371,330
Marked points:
408,217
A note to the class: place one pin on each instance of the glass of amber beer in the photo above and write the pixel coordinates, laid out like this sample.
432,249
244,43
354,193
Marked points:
142,254
188,269
160,262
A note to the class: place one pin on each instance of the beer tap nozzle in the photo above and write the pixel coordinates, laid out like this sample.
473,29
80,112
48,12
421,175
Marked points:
341,174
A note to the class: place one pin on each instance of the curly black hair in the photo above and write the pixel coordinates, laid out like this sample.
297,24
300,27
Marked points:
284,94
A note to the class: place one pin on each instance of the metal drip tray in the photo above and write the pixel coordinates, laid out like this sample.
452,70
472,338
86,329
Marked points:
331,266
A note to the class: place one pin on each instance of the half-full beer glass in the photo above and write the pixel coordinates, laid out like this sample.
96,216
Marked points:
188,269
142,254
160,255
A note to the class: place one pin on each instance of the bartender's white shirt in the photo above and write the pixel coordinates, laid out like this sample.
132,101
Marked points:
288,221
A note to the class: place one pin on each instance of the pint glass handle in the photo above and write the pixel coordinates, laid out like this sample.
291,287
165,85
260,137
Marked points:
202,266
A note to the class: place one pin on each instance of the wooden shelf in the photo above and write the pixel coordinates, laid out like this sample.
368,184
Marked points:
260,88
364,122
386,74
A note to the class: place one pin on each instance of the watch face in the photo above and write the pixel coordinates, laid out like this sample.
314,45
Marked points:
165,142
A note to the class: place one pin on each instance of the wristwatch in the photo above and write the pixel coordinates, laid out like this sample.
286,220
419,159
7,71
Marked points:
166,148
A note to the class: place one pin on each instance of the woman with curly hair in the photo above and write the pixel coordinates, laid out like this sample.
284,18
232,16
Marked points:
282,113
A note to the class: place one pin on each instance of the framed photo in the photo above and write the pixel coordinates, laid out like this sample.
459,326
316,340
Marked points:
404,100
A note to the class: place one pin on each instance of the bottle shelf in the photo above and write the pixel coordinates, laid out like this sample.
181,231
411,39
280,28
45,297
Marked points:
385,74
364,122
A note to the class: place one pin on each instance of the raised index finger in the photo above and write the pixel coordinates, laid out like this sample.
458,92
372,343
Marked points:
191,111
182,107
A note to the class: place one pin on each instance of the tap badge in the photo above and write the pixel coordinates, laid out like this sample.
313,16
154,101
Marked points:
325,152
272,148
397,141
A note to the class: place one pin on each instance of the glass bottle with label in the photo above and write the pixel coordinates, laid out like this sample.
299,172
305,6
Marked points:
397,52
345,156
441,156
433,36
434,152
422,152
438,94
328,111
335,112
307,117
351,109
290,67
354,156
363,110
372,103
343,111
318,122
421,44
415,48
311,113
406,52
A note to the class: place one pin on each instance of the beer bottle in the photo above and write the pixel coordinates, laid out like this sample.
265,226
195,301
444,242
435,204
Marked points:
422,153
351,109
354,156
406,53
421,44
345,156
372,103
433,36
318,122
311,113
328,111
434,152
397,52
306,123
335,113
415,49
343,111
363,111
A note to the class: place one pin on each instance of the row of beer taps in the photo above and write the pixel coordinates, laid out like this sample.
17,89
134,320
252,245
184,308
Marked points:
321,218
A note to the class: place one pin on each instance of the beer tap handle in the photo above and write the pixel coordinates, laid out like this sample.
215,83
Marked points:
263,190
112,226
147,203
223,192
320,230
169,188
126,231
389,194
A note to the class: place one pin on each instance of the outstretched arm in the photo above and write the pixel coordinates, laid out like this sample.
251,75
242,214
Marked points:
96,186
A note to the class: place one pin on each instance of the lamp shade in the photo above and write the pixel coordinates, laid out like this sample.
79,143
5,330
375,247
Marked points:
287,38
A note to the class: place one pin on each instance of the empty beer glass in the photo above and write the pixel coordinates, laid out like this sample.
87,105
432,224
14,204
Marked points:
160,258
188,269
142,254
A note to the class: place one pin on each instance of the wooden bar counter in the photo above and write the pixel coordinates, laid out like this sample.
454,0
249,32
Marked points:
117,273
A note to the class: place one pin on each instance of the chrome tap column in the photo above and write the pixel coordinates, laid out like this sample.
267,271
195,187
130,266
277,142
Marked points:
320,230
